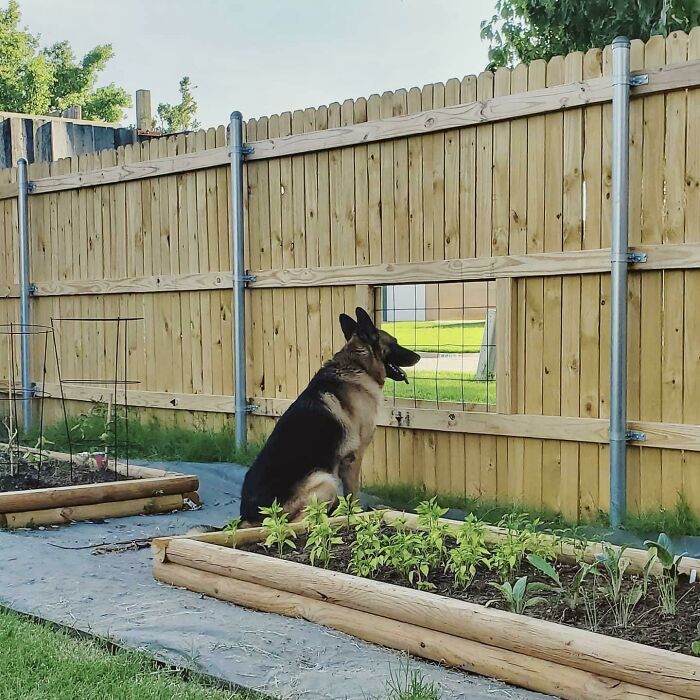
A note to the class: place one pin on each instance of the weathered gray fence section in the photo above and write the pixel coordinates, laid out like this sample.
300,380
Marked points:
43,139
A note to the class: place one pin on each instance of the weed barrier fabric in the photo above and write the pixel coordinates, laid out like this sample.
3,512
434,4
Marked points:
55,574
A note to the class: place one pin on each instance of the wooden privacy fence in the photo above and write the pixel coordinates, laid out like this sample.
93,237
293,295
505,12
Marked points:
504,177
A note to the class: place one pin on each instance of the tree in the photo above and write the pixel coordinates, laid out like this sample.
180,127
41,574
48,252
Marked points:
525,30
180,117
40,81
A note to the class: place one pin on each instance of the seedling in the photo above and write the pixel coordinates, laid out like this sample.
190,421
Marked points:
315,512
622,603
570,594
232,527
409,554
667,581
695,645
367,555
37,454
277,528
322,534
519,597
429,514
464,559
349,508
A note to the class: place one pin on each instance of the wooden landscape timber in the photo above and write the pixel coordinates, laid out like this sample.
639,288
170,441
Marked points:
535,654
146,491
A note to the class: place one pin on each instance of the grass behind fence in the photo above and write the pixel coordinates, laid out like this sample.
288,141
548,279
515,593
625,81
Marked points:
457,387
675,522
437,336
147,440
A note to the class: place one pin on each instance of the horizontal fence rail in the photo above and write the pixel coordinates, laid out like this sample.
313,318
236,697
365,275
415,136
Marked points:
682,256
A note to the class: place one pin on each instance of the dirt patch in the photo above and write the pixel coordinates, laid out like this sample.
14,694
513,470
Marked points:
51,474
647,624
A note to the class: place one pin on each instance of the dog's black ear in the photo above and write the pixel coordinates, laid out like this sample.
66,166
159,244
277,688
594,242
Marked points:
365,325
348,325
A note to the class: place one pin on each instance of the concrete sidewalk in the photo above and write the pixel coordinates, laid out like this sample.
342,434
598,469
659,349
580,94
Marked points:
56,574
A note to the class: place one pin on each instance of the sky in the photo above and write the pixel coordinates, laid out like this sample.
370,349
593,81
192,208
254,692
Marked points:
267,56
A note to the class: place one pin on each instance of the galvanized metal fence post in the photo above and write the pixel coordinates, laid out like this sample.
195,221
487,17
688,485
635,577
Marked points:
618,280
239,278
24,291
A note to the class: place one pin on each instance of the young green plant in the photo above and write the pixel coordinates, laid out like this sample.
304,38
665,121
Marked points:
349,508
695,644
519,597
570,593
621,601
366,554
277,528
322,534
469,552
667,581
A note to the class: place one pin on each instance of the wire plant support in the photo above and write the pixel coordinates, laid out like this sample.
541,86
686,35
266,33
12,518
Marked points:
114,442
14,405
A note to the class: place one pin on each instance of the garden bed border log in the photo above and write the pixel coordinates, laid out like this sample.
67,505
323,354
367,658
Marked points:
150,491
532,653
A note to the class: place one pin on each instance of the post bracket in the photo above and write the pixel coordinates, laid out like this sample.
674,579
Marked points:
634,257
247,150
635,436
249,278
637,80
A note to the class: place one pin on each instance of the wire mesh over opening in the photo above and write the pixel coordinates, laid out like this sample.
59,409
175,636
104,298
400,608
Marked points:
15,398
453,327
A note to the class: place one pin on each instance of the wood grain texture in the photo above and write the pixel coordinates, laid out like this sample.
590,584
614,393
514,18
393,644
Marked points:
624,661
562,97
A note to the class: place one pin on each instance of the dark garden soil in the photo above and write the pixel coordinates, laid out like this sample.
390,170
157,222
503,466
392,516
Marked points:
648,625
51,474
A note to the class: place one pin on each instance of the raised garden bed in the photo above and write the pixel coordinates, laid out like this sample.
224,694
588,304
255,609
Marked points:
61,493
547,650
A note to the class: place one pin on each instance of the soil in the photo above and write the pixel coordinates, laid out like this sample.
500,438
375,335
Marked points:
648,625
52,474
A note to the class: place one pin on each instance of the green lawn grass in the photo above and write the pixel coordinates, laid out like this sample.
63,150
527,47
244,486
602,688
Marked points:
677,521
458,387
38,662
147,440
434,336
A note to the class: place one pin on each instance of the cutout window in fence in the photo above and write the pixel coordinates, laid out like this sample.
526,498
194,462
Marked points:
453,327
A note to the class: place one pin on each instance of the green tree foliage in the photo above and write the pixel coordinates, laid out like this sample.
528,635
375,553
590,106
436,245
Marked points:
524,30
179,117
40,81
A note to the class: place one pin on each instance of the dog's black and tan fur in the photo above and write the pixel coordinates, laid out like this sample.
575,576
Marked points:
316,448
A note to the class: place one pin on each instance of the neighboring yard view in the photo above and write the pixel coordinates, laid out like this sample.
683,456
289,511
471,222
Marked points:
438,336
447,371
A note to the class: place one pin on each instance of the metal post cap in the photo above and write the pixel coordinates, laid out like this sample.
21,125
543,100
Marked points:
236,115
621,41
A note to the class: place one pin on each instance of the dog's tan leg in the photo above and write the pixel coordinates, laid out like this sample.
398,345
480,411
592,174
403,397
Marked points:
323,485
350,475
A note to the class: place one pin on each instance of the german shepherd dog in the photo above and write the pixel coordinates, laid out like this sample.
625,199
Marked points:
316,448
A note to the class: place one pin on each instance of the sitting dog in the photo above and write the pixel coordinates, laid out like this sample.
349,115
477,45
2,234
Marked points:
316,448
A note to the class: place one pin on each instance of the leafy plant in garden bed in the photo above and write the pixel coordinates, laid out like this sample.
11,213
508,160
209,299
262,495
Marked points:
519,573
